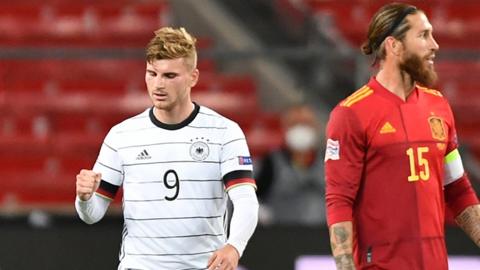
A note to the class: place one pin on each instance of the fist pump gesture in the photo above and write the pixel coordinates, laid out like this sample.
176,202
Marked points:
87,183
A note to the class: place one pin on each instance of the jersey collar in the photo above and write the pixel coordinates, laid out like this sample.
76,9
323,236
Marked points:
180,125
379,89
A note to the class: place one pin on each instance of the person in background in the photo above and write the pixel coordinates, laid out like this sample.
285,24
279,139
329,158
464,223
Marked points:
290,179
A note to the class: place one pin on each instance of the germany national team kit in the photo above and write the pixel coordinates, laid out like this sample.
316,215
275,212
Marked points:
175,180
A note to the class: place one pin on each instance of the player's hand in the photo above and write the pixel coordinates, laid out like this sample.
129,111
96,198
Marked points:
87,183
225,258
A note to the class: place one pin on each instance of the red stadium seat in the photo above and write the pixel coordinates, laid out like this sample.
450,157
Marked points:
121,23
456,23
57,110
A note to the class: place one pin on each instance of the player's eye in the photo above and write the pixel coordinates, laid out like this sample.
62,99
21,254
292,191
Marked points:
171,75
151,73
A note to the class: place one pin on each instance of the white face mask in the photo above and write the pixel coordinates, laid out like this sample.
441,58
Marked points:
300,137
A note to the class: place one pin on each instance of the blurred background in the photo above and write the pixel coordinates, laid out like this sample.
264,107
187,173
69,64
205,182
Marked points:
70,70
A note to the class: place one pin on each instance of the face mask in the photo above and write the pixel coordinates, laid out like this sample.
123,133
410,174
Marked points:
300,137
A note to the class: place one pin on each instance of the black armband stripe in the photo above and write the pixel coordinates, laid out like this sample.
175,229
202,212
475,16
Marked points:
107,189
237,175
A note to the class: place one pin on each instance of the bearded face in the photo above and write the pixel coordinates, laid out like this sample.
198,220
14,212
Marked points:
420,68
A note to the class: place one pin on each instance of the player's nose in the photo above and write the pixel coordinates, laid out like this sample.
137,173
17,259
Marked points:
434,45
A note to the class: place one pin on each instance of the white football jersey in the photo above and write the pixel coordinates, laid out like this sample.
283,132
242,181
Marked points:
175,179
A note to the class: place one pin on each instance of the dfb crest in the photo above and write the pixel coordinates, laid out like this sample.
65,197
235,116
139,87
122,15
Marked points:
199,150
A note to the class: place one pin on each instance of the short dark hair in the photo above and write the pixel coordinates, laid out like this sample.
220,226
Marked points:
389,20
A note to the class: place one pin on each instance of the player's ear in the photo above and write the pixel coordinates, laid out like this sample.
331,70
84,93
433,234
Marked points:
194,77
393,45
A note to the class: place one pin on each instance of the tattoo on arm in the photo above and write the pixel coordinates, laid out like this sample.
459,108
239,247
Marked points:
469,221
341,234
341,244
344,262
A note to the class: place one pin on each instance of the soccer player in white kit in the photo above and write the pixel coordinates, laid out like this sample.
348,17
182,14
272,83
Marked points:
178,163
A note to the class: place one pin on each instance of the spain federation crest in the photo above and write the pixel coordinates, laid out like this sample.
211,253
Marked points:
437,127
199,150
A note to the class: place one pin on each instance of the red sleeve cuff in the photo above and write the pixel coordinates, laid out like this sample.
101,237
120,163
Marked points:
460,195
339,214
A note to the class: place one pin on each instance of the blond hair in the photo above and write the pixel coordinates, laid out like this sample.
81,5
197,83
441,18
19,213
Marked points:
172,43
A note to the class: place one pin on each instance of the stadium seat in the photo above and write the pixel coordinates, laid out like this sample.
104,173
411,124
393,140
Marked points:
60,22
58,106
456,22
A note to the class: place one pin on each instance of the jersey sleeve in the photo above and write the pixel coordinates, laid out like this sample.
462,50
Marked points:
236,162
344,157
453,165
458,190
109,164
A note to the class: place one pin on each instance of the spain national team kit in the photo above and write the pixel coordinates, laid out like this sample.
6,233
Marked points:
389,166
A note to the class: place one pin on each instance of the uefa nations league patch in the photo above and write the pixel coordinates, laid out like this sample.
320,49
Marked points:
332,150
245,160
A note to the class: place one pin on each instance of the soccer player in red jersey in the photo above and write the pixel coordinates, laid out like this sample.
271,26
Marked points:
392,163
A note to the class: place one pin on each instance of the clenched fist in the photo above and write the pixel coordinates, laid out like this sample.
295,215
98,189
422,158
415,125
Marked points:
87,183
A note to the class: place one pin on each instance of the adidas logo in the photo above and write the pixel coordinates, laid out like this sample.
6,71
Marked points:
387,128
143,155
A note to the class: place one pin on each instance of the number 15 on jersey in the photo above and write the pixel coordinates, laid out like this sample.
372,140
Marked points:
418,164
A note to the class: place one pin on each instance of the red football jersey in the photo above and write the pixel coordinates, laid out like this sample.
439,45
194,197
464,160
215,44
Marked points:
385,172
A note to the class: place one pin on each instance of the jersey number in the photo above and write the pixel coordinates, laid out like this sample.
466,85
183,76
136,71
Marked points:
175,185
420,162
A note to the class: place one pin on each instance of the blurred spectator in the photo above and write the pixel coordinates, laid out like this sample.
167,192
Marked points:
290,180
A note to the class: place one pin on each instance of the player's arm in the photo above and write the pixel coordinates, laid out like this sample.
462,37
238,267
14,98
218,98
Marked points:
90,206
236,167
244,217
459,194
343,169
460,197
97,188
341,243
241,190
469,221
